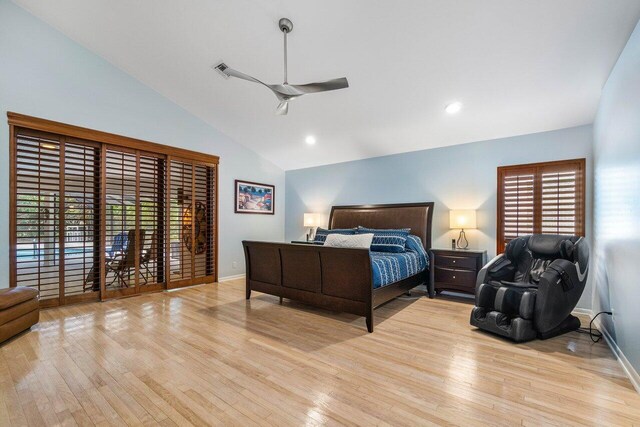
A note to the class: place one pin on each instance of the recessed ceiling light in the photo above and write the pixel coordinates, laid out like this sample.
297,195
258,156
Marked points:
453,108
310,140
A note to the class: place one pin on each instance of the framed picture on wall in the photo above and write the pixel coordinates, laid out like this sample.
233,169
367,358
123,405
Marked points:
254,198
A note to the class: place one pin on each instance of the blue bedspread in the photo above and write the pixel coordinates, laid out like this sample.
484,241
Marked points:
391,267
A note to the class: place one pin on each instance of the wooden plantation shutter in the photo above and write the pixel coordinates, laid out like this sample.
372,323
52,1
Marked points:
82,223
180,197
37,207
152,218
121,217
57,201
192,219
517,188
135,226
204,220
562,204
541,198
95,215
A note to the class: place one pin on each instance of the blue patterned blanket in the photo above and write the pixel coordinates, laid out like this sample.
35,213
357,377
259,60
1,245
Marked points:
392,267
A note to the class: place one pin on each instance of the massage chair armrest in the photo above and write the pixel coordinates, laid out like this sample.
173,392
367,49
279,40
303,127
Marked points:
499,268
563,274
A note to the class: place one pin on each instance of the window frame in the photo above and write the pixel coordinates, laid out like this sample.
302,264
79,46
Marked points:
579,165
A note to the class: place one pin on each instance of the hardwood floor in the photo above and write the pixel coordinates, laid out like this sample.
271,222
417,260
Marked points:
206,356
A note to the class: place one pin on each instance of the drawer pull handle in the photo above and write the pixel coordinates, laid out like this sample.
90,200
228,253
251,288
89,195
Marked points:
454,277
454,261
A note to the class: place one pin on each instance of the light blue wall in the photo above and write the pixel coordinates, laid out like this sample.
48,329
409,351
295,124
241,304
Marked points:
457,177
617,201
45,74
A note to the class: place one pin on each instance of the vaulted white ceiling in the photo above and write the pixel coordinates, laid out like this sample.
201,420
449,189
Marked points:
518,66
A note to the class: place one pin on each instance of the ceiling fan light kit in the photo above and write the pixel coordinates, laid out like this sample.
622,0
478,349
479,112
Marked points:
285,92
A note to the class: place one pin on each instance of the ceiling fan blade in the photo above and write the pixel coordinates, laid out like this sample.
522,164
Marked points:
283,108
334,84
227,72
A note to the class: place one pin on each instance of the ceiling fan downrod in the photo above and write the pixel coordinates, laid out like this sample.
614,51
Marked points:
286,26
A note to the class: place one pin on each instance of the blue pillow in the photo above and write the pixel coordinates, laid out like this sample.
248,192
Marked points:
415,244
390,240
322,233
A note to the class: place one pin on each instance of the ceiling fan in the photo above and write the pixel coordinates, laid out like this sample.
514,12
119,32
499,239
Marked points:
285,92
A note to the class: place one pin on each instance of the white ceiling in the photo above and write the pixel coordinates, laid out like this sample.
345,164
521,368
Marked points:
518,66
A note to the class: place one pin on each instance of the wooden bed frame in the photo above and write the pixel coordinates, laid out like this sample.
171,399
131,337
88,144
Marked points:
337,279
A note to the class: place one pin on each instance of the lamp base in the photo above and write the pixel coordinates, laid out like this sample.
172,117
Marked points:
462,242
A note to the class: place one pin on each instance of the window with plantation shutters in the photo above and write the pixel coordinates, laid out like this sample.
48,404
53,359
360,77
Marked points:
541,198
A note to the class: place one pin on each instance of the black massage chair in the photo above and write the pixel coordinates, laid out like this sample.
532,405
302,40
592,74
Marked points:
530,290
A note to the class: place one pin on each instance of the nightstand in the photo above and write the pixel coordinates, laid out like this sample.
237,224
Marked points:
456,269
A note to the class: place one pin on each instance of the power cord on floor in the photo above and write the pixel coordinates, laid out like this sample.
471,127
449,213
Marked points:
594,334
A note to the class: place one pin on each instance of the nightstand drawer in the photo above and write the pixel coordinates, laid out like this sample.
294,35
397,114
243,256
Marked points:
456,269
458,277
455,261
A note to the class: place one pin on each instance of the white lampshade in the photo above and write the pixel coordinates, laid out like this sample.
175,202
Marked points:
313,219
462,218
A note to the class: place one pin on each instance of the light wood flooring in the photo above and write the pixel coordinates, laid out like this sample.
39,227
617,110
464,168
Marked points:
205,356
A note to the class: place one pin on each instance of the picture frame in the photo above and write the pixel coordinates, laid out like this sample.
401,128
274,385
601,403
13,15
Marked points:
254,198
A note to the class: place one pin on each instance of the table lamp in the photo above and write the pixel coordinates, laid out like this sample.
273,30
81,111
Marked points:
312,220
461,219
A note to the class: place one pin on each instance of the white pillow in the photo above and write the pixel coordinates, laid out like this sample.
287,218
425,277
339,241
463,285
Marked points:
349,241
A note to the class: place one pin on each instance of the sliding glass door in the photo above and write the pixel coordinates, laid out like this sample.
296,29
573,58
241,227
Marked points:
192,210
134,226
92,220
57,202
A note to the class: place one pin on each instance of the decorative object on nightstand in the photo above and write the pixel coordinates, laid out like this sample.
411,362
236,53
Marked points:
456,269
312,220
461,219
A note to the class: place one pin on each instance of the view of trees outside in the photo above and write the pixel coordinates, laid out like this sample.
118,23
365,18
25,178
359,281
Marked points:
39,214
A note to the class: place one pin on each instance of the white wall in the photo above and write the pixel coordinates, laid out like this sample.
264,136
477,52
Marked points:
456,177
617,201
45,74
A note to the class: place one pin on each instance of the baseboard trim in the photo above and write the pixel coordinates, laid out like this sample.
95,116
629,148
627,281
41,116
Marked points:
585,311
632,374
227,278
628,369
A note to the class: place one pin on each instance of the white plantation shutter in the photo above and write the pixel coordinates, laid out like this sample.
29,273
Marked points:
540,198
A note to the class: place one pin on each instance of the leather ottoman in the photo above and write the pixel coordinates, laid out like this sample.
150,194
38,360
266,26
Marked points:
19,310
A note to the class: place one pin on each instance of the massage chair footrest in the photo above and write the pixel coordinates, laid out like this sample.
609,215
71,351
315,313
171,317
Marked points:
516,329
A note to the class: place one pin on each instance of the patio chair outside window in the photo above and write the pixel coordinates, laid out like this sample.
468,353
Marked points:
124,264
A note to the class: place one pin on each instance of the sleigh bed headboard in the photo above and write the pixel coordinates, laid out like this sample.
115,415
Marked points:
416,216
